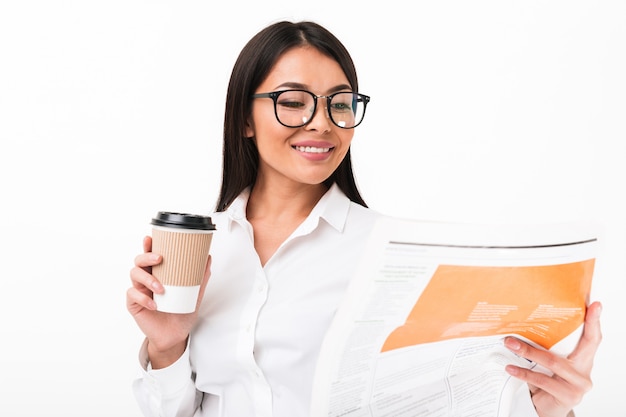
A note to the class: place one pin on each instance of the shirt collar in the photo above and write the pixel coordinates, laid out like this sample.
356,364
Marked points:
333,207
237,209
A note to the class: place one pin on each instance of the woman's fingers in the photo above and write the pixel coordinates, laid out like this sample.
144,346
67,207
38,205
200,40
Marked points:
147,244
584,353
148,260
142,279
137,300
580,361
144,284
570,377
556,364
555,393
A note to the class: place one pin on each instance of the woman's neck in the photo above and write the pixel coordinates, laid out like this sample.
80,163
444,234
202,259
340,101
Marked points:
275,213
282,203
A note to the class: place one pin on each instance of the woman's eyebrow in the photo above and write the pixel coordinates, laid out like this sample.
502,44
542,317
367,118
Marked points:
301,86
292,85
340,87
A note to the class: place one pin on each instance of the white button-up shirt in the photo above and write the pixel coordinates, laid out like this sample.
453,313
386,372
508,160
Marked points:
254,349
255,346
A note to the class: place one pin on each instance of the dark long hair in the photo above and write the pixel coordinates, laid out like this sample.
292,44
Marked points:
257,58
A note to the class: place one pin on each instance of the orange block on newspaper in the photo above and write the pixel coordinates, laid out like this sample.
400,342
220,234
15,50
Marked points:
470,301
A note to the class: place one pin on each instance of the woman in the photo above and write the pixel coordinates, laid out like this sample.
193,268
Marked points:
291,225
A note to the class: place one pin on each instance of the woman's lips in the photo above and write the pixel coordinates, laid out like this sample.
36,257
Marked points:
314,152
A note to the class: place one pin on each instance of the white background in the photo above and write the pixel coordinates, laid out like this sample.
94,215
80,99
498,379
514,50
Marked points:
482,111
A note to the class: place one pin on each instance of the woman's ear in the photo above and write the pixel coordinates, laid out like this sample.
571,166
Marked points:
249,129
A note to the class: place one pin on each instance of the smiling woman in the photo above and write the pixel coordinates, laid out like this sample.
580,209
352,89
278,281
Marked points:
291,226
482,111
288,200
320,145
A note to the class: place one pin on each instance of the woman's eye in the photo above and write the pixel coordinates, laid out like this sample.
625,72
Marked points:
291,104
340,107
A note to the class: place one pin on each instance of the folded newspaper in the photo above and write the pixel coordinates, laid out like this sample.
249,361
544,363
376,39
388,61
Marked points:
421,329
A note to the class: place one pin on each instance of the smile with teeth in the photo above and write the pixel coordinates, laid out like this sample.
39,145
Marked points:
311,149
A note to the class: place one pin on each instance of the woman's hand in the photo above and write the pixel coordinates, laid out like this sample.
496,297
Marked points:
167,333
556,395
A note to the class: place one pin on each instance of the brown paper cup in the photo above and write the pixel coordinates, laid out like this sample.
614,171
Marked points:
185,252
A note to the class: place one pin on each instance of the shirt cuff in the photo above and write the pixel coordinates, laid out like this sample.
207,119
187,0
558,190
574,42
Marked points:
169,380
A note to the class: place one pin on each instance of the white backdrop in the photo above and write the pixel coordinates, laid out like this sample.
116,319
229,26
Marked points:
112,110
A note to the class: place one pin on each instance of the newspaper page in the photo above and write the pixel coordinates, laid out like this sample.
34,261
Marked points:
420,331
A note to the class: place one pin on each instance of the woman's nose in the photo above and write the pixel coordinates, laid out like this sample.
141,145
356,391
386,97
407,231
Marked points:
320,119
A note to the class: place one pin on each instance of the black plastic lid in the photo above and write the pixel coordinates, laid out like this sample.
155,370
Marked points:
183,221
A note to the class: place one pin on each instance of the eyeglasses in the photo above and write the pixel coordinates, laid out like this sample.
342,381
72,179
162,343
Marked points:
295,108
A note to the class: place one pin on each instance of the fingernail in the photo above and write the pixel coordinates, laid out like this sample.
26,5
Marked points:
512,370
154,257
512,343
152,305
156,286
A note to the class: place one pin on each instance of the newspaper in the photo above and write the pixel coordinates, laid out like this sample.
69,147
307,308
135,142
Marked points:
421,329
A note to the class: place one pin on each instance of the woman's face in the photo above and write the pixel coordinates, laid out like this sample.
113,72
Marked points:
308,154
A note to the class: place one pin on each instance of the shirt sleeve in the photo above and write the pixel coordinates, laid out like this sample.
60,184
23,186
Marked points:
166,392
522,403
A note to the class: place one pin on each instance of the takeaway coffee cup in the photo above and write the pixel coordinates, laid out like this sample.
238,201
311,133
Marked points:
183,240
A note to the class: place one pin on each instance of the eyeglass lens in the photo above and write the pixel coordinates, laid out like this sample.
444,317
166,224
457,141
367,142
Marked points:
296,108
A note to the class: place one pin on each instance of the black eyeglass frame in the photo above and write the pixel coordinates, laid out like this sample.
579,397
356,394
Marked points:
275,94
